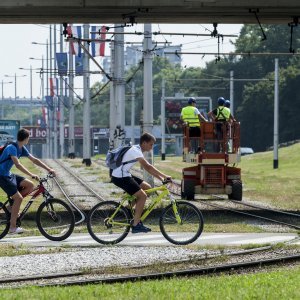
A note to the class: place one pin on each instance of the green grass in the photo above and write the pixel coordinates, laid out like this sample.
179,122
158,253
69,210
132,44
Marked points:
280,186
281,284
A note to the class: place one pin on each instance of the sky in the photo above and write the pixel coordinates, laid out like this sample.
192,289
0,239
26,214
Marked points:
17,47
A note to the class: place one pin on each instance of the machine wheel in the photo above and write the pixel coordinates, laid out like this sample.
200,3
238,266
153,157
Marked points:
237,190
189,189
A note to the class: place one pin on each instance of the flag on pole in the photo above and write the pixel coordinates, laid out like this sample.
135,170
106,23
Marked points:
62,63
53,87
78,65
98,48
49,101
76,32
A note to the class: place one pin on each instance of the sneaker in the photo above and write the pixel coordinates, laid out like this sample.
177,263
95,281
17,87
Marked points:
140,228
17,230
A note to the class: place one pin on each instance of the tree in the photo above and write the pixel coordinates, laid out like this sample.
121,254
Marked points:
254,102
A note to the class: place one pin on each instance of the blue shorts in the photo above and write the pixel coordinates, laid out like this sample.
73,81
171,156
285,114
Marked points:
130,185
11,184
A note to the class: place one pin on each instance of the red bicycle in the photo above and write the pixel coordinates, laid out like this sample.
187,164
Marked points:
54,218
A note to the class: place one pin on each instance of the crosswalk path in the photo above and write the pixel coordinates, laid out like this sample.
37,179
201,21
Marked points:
153,239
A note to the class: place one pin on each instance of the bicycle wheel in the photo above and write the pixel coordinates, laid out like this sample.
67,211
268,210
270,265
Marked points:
99,227
191,223
4,221
55,219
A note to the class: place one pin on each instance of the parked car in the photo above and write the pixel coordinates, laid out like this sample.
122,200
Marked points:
246,151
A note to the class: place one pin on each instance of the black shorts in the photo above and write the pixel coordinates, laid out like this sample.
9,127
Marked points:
130,185
195,131
11,184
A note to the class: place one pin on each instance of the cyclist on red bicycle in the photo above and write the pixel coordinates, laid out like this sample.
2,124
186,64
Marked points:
134,185
16,186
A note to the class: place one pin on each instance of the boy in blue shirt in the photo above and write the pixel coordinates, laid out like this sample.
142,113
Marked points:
16,186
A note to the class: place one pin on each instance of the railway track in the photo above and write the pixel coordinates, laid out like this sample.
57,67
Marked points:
81,278
244,264
76,191
254,212
235,206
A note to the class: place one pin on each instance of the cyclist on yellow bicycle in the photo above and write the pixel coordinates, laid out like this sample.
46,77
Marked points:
133,185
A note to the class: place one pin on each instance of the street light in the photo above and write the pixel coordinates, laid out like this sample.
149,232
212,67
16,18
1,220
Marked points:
48,53
30,69
15,77
47,61
42,71
3,82
30,90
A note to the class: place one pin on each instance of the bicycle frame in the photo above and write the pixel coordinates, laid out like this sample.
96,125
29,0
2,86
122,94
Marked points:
164,193
38,190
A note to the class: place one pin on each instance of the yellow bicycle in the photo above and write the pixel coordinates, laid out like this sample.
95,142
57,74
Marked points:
181,222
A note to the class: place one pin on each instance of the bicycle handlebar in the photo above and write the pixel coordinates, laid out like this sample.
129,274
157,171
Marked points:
44,179
167,180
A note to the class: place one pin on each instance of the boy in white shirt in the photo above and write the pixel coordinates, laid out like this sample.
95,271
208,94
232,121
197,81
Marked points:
133,185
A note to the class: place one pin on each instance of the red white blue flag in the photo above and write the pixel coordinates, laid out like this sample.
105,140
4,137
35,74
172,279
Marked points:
98,48
76,32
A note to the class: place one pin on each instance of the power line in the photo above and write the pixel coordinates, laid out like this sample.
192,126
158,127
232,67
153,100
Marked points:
236,53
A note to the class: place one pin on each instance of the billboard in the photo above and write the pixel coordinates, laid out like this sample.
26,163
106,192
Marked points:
173,106
8,130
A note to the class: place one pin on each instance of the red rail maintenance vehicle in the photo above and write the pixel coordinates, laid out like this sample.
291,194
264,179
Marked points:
215,158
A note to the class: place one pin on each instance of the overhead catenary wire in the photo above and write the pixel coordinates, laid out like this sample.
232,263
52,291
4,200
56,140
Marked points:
235,53
66,82
221,79
169,33
100,90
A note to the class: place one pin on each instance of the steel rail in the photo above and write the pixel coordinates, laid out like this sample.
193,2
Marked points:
82,214
81,181
79,273
48,276
252,215
265,208
188,272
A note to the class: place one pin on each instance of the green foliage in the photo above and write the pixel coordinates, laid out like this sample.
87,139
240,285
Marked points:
254,102
256,112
